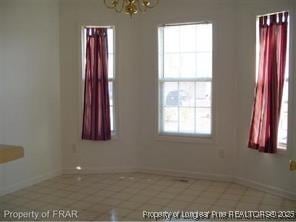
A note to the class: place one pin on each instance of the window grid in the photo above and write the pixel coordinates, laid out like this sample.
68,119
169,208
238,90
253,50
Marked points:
111,81
179,107
190,79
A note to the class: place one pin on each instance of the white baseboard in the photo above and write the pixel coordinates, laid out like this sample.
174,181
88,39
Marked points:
225,178
186,174
266,188
29,182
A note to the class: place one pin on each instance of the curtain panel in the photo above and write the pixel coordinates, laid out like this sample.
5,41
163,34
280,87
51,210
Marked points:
96,110
269,90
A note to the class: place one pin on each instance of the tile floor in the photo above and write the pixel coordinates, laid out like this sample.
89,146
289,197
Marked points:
124,197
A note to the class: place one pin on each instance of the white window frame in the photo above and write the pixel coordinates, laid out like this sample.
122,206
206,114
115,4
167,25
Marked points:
182,136
114,132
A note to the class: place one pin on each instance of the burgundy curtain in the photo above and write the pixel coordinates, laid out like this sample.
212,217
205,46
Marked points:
96,112
269,90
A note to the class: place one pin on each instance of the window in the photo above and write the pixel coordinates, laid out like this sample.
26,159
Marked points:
283,124
111,75
111,72
185,79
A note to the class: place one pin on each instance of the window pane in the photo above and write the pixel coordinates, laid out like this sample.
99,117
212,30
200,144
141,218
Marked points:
170,119
170,94
111,118
188,38
203,120
160,66
204,65
187,66
186,94
187,120
171,65
203,94
285,97
110,66
283,128
110,93
204,37
283,124
111,75
186,57
171,39
110,40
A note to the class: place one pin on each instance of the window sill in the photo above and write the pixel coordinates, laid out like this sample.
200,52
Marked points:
282,150
114,137
185,138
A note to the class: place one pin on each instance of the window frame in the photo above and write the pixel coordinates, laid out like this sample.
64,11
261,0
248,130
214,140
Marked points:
115,131
183,136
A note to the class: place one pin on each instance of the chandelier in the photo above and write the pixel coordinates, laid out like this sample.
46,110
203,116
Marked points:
130,7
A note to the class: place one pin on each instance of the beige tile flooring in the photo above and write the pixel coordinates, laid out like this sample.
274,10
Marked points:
124,197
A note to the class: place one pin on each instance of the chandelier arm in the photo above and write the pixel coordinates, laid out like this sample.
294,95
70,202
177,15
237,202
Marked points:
152,6
130,6
108,6
119,10
140,6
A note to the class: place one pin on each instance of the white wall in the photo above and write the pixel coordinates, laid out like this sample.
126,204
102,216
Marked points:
137,105
33,84
1,70
234,67
206,159
226,155
1,91
30,81
119,154
253,166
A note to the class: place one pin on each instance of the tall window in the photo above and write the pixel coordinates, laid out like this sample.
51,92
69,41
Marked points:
111,71
185,79
283,123
111,76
